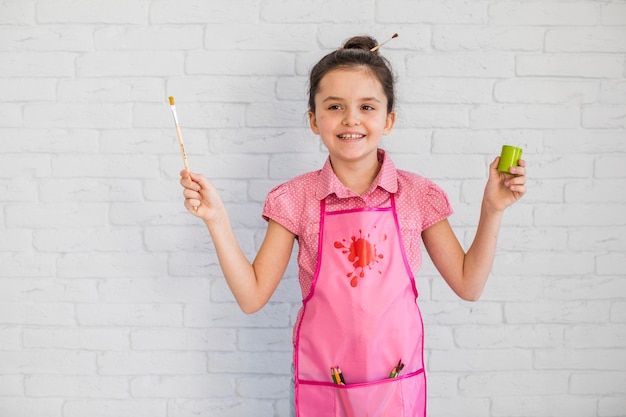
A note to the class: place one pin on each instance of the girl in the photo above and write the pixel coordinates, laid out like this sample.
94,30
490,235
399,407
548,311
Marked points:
359,223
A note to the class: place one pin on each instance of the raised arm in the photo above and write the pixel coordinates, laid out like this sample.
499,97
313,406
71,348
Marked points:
252,284
467,273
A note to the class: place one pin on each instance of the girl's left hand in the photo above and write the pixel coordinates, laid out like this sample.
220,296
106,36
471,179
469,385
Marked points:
502,190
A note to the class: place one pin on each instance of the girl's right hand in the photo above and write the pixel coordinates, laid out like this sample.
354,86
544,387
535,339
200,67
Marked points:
201,198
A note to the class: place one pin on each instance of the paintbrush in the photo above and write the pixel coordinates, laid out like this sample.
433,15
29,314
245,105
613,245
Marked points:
377,47
180,135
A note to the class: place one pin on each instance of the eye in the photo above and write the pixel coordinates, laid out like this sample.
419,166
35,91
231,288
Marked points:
367,107
334,107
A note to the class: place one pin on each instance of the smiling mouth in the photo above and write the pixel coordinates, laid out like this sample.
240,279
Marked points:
351,136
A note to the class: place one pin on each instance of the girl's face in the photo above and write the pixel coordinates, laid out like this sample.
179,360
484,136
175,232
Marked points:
351,114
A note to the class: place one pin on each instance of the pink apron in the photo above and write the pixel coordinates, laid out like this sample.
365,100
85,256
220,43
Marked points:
361,315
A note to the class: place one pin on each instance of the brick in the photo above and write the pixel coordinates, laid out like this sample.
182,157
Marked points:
263,141
104,408
32,407
142,38
480,361
11,386
46,38
130,63
618,312
586,40
265,340
550,312
26,264
433,116
544,14
220,89
284,113
469,407
445,90
184,339
510,384
76,339
600,238
55,215
524,116
110,265
17,12
457,12
510,336
604,116
249,63
26,166
611,406
585,359
613,92
283,167
588,141
151,291
580,214
595,336
78,115
595,191
182,386
610,167
151,363
451,313
93,11
325,11
63,386
546,91
109,90
613,13
488,38
226,407
264,387
217,315
10,114
37,64
129,314
598,384
24,89
265,363
198,11
543,405
17,190
47,290
37,142
570,65
611,263
294,37
479,65
54,362
595,287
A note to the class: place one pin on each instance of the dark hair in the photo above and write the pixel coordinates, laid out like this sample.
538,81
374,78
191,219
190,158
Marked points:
354,53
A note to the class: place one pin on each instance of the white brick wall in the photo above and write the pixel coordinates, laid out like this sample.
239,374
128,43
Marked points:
111,299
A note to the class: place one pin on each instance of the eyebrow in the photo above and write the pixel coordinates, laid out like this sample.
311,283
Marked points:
334,98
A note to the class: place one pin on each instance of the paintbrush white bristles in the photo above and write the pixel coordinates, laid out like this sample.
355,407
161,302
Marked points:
178,133
377,47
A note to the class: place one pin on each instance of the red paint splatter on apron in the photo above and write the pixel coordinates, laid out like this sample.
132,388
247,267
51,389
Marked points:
362,253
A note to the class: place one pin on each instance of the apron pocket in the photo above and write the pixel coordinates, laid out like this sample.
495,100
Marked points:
402,397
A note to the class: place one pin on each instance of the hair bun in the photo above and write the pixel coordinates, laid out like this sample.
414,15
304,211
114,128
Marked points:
365,43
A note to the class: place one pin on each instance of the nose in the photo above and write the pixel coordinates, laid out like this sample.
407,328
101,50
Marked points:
351,117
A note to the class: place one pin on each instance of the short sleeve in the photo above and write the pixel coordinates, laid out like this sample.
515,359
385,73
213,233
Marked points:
435,205
282,206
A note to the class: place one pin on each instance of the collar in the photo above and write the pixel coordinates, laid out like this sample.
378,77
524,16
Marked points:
386,179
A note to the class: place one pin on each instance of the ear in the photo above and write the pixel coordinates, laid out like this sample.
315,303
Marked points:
389,122
313,122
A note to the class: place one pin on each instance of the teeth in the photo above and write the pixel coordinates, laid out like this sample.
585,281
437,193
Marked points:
350,136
